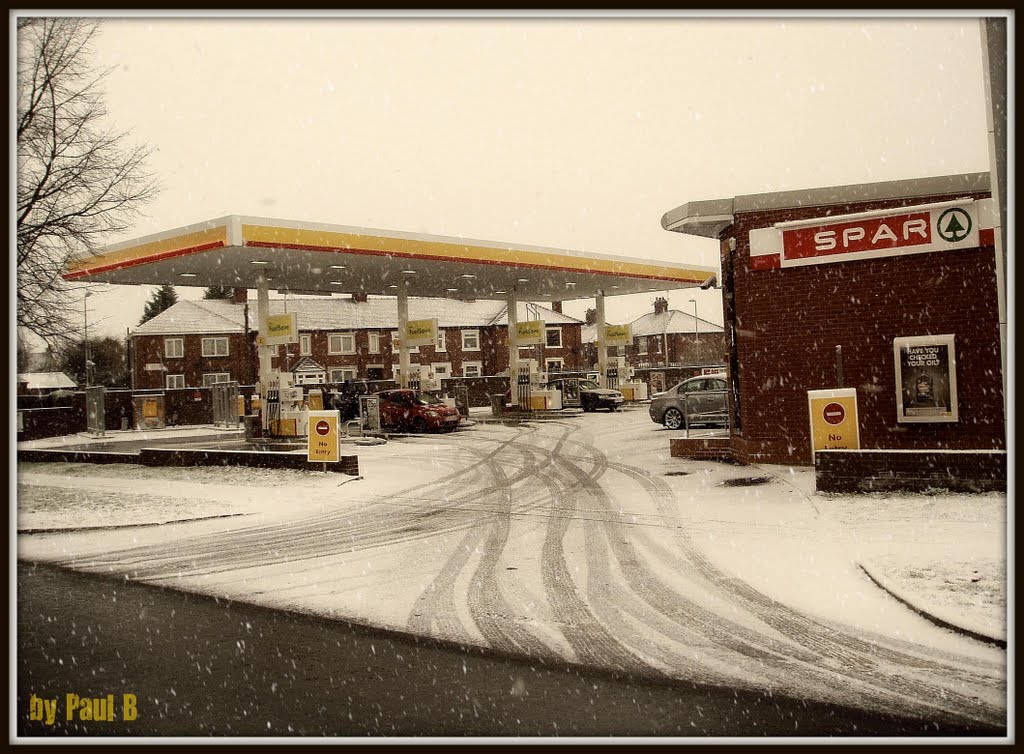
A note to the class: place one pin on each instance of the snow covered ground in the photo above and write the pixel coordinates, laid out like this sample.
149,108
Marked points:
946,552
514,549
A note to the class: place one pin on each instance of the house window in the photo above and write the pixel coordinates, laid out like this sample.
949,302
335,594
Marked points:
553,365
374,342
305,347
340,375
215,347
394,342
641,345
439,345
212,378
341,343
175,381
470,340
174,348
442,370
554,337
472,368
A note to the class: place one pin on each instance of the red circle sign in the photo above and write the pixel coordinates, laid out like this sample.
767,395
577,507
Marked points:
834,413
323,427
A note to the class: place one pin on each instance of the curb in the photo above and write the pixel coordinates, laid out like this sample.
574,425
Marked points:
977,635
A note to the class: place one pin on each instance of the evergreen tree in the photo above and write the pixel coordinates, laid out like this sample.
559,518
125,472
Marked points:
218,292
163,298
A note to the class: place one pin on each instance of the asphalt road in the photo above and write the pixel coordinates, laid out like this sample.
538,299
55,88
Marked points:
203,667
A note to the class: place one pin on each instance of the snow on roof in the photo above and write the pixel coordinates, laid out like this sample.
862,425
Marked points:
221,316
672,322
47,380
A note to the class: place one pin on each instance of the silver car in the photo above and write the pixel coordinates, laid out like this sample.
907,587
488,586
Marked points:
701,400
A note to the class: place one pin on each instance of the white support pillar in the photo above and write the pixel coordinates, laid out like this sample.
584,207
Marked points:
994,57
403,336
602,350
263,350
513,347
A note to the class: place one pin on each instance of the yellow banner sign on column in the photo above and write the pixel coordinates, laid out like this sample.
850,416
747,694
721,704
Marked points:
323,436
834,423
617,335
422,332
282,328
530,333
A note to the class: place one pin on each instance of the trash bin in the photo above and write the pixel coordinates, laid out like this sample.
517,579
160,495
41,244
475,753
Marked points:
497,403
251,422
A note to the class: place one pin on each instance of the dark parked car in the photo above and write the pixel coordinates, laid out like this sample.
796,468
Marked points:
593,397
703,398
409,410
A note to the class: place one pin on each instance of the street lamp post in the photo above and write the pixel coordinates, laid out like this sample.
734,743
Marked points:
696,331
85,309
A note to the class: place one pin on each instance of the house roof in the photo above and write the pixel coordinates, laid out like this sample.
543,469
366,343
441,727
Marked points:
320,314
672,322
47,380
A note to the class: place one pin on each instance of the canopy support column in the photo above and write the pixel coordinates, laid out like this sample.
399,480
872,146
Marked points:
263,350
602,350
403,336
513,347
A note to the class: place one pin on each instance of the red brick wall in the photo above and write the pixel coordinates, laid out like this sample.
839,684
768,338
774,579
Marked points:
149,349
789,322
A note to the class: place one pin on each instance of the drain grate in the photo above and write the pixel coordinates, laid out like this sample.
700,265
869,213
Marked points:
746,481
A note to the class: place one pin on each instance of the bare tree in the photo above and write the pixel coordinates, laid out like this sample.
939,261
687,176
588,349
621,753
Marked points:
78,180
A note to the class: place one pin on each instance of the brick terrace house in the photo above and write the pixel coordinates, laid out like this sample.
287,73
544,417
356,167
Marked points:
664,337
199,343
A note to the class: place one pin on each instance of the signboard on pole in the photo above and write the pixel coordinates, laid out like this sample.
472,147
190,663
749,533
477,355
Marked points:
323,437
282,328
834,423
421,332
925,379
617,335
530,333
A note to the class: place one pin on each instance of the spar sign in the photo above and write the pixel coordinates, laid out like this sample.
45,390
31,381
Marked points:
945,226
833,419
323,437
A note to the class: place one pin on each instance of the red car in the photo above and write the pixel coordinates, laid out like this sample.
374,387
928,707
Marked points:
409,410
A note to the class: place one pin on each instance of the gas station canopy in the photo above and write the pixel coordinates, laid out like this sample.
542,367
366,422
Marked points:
314,258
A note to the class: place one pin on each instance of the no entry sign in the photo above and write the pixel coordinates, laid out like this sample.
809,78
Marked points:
323,437
833,419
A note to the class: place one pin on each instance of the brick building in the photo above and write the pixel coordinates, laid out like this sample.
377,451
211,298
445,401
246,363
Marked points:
196,343
664,337
823,286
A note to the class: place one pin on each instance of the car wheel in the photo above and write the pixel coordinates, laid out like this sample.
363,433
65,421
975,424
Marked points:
673,419
419,425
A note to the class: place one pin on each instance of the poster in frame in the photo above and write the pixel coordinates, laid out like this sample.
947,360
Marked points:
925,379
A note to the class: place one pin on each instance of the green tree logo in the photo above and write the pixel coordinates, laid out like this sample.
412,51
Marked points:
954,225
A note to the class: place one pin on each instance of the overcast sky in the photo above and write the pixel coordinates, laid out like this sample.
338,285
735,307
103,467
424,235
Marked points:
578,133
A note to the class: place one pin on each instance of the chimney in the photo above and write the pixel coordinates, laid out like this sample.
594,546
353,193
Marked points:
591,316
239,295
556,306
660,305
359,297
